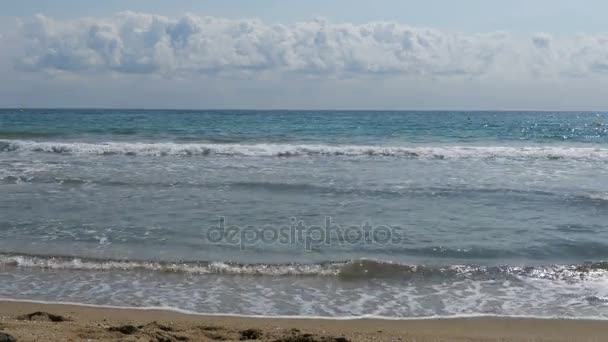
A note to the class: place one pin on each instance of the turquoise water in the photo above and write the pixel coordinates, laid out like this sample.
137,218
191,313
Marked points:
332,127
400,214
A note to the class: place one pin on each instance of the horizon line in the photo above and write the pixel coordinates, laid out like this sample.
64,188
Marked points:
308,110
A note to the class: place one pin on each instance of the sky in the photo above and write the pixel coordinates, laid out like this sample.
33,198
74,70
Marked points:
271,54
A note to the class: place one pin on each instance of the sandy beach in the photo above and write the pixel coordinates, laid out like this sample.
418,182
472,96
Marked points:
26,321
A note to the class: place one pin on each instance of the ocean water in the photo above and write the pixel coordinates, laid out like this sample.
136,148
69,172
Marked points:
307,213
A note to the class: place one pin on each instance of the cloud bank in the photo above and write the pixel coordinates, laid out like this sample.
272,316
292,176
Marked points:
150,44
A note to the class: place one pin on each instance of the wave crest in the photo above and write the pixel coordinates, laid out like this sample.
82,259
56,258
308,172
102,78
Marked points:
202,267
295,150
347,270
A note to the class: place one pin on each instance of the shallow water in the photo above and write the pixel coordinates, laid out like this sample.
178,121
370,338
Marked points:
398,214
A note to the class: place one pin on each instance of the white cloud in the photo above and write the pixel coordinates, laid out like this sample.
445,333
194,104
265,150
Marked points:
131,43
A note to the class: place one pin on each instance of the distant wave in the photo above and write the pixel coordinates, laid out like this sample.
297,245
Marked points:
9,134
299,150
597,198
352,269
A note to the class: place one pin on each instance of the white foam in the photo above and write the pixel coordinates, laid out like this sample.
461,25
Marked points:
315,317
530,292
285,150
357,268
602,196
69,263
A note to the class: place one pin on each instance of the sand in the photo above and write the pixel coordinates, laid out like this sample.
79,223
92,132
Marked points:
27,321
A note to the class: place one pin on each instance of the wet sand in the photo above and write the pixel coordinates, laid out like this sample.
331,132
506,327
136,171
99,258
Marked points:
27,321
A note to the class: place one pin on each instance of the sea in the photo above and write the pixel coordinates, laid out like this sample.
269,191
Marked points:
336,214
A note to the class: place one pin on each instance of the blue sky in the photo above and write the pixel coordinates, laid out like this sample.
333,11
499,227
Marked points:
386,54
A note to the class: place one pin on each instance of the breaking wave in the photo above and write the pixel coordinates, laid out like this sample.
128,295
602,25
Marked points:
200,267
299,150
348,270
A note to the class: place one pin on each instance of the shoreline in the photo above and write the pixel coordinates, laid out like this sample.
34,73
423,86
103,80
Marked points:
295,317
97,323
